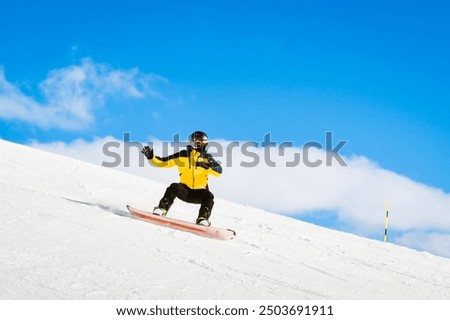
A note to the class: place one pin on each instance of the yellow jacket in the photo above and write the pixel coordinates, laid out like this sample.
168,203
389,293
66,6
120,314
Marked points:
194,166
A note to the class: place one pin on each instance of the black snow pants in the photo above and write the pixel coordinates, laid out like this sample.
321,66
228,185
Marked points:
204,197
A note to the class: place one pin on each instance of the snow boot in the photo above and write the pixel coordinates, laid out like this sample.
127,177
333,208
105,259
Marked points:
159,211
203,222
203,217
162,208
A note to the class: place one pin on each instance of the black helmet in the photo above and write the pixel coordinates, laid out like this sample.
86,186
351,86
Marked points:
198,139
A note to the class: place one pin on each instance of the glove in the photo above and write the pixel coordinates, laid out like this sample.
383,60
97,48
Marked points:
148,152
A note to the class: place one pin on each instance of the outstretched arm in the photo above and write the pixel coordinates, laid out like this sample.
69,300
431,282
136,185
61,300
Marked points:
167,162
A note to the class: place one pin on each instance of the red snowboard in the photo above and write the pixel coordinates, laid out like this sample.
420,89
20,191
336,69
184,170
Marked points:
209,232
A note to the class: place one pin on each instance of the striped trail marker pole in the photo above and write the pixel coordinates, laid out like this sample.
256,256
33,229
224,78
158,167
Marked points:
386,221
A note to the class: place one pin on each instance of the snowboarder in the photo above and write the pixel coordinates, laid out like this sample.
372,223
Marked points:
194,165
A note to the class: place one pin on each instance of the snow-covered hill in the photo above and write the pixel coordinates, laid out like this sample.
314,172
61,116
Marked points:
65,234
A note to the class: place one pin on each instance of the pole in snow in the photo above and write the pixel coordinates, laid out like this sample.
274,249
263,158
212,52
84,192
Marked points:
386,221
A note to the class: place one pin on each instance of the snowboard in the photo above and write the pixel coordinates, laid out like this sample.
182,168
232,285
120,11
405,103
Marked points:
204,231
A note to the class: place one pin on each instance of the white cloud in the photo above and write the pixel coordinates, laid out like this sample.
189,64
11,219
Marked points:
437,243
356,192
71,95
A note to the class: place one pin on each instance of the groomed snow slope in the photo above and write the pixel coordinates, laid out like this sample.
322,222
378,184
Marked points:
65,234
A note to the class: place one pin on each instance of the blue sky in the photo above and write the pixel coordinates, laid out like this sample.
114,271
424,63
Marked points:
375,73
